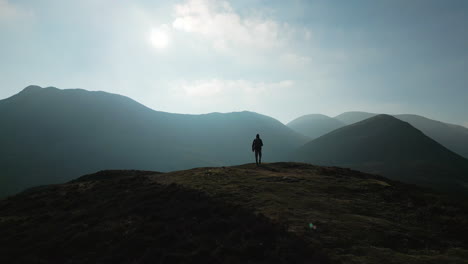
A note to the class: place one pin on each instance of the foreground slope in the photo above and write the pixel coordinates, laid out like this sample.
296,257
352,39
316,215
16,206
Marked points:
315,125
50,135
125,217
390,147
360,218
216,217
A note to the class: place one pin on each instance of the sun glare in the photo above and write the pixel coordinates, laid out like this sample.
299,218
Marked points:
159,38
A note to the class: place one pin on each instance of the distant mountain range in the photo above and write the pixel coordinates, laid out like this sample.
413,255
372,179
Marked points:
349,118
390,147
315,125
453,137
50,135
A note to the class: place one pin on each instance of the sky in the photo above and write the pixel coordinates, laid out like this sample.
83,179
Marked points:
279,58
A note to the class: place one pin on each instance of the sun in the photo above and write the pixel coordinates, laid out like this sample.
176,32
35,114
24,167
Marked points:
159,37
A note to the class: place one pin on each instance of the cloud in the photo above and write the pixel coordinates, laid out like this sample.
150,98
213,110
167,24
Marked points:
224,95
227,30
221,88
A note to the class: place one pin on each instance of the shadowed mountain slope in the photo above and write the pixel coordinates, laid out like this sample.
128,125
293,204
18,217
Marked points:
453,137
390,147
50,135
315,125
131,217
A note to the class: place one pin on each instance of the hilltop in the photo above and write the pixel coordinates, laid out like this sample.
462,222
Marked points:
276,213
453,137
125,217
390,147
352,117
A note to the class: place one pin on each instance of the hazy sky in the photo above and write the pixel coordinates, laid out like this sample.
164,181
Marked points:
279,58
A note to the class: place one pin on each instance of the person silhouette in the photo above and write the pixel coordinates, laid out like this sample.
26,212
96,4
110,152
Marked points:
257,145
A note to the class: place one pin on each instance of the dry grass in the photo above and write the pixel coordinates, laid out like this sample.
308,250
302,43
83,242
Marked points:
360,218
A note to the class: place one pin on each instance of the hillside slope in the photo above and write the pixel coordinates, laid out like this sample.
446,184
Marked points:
390,147
127,218
315,125
123,217
453,137
50,135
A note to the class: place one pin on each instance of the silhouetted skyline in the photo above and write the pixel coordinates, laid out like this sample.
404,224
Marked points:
282,59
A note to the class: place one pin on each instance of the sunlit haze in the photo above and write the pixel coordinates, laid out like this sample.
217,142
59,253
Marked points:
279,58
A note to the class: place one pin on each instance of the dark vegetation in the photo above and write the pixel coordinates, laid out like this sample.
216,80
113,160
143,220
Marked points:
390,147
124,217
112,175
242,214
360,218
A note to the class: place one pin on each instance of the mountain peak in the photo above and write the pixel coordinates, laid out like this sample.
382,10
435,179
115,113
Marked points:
384,120
37,88
314,125
382,117
31,88
353,117
385,145
317,116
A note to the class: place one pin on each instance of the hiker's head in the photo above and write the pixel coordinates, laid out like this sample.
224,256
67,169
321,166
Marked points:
258,136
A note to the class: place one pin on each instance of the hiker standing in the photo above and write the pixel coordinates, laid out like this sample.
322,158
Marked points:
257,145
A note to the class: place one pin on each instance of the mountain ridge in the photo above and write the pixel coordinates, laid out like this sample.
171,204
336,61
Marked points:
451,136
386,145
51,135
314,125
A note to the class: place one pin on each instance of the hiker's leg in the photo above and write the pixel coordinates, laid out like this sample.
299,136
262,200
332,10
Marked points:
256,157
260,156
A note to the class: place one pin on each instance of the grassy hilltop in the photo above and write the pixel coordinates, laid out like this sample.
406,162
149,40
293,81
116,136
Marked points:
231,215
360,218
